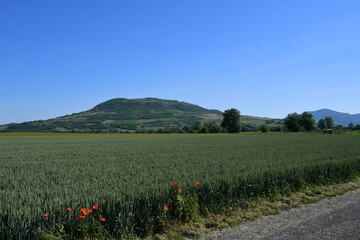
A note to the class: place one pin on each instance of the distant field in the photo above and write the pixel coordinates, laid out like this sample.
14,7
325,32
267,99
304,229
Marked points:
46,173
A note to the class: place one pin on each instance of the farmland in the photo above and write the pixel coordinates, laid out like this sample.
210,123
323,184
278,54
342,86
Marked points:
130,176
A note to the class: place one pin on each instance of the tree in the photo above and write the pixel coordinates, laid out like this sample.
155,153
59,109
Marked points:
292,122
213,127
204,129
264,128
329,122
307,122
197,126
231,120
186,129
351,125
321,124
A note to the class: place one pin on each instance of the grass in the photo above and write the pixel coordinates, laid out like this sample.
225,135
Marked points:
258,208
130,177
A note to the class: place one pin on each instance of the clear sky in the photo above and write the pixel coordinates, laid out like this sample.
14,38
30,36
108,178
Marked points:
265,58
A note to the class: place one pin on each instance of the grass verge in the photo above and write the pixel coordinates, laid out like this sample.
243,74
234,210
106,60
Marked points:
254,209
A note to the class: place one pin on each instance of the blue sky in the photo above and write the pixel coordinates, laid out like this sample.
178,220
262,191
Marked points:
265,58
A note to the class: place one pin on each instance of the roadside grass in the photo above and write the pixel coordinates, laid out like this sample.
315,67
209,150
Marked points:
254,210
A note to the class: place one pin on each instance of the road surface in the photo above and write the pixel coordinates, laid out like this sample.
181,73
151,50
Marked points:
332,218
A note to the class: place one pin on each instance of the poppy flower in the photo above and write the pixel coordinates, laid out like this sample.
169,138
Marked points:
96,207
39,228
46,215
81,218
197,183
103,219
166,208
83,209
85,212
179,191
174,183
69,209
90,210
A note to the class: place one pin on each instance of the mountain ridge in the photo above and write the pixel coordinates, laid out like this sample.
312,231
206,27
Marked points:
340,118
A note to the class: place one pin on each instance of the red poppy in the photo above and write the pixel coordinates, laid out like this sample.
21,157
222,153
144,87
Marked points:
197,183
174,183
179,190
81,218
85,212
103,219
83,209
69,209
166,208
39,228
90,210
46,215
96,207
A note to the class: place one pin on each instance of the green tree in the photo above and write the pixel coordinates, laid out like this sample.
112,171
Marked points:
213,127
351,125
231,120
329,122
292,122
204,129
264,128
321,124
197,126
306,121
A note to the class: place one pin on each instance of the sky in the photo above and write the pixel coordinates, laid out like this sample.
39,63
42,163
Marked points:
265,58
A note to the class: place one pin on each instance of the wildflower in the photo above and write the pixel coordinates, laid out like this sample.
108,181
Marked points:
85,212
39,228
46,215
96,207
103,219
179,191
83,209
166,208
90,210
81,218
174,183
197,183
69,209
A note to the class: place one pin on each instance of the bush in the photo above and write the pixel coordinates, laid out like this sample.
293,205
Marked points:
264,128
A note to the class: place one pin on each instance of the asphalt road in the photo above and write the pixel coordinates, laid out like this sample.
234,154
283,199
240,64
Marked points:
332,218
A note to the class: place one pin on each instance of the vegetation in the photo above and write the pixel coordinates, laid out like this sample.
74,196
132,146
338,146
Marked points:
321,124
231,120
146,115
264,128
48,181
338,117
299,123
329,122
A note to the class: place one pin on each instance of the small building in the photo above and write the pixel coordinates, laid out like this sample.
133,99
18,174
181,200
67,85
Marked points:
328,131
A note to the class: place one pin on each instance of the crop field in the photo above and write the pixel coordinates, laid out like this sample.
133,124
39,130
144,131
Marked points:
46,178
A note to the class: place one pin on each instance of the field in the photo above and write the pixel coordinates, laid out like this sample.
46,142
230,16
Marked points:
130,177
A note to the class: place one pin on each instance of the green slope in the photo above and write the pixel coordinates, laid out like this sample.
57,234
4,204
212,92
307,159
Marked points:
122,114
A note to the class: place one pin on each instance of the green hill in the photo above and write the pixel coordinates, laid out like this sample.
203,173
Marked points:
120,114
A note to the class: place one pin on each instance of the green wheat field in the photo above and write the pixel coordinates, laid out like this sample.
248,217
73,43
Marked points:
130,176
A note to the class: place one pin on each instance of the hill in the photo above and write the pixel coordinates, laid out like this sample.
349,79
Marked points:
121,114
338,117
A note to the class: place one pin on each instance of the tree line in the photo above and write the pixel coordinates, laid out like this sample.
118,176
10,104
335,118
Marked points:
304,122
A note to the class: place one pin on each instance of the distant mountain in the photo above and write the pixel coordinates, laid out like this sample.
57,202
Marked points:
121,114
338,117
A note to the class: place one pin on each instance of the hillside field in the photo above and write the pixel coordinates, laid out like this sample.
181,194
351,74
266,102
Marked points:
130,176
